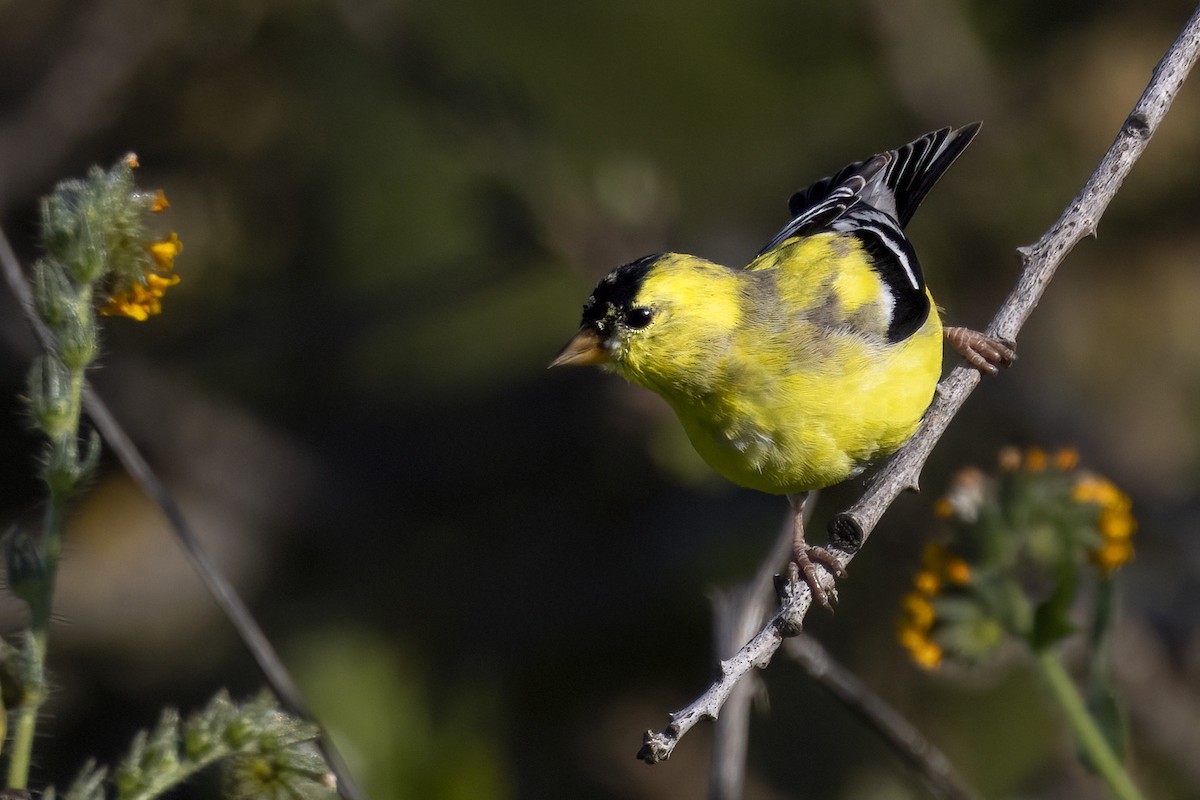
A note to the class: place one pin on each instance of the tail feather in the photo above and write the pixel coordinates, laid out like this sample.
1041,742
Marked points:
898,180
918,165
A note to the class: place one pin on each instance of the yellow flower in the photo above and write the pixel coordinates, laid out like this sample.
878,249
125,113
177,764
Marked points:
918,611
125,306
141,301
957,571
927,582
1112,554
1035,459
1094,489
929,655
943,508
160,202
921,649
164,252
1116,524
1066,459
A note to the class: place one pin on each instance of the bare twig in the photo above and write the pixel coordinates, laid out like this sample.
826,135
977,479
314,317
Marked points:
914,749
223,593
740,612
851,528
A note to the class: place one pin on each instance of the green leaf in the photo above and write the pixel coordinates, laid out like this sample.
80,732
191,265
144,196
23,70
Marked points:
1052,621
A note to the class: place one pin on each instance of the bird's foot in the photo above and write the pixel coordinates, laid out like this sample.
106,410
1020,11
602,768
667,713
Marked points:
804,559
981,351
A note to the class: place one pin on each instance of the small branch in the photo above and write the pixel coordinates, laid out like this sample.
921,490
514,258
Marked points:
739,613
850,529
914,749
755,653
796,598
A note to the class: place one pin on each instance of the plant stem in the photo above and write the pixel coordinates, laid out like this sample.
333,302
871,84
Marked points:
41,601
1087,732
26,713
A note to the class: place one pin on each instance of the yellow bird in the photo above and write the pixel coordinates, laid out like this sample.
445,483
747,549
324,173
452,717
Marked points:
817,358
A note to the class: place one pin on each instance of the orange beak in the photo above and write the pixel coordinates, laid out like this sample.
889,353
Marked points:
584,348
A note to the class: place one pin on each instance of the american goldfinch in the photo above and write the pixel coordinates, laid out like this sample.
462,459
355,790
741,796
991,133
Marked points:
817,358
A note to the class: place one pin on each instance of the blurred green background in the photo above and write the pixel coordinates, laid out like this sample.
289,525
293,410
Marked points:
491,579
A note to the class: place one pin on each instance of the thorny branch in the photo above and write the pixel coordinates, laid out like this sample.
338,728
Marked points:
850,529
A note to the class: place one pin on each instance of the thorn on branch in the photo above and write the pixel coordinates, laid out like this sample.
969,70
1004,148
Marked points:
1137,126
763,661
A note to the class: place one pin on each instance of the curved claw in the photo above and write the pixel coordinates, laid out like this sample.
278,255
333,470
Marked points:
981,351
803,559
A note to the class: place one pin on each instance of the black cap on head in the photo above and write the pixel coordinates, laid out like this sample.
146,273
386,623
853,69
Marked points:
617,290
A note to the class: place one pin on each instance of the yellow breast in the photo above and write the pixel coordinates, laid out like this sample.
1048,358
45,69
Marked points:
783,431
788,382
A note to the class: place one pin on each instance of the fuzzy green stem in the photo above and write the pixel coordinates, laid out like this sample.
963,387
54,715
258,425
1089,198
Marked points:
41,600
34,678
26,713
1087,732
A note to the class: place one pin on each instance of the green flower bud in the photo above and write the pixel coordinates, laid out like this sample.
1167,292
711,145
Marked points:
61,470
89,253
60,220
78,339
50,399
52,292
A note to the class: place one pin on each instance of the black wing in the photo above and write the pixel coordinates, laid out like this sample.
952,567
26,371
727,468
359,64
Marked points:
873,200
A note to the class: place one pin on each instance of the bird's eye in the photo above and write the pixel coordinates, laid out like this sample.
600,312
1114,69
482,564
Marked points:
639,317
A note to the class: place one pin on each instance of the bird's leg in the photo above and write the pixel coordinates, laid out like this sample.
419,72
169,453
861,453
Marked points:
804,554
981,351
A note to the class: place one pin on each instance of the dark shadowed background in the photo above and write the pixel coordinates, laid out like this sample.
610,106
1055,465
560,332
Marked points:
490,579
